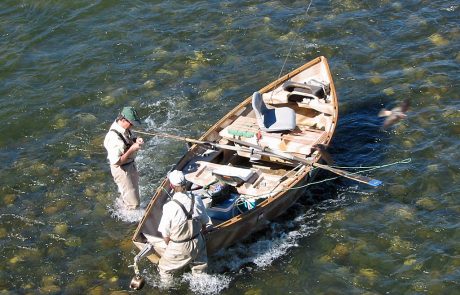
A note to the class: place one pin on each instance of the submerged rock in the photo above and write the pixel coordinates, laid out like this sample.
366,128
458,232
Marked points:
400,246
335,216
50,289
253,292
398,190
149,84
60,123
108,100
389,91
126,245
427,204
376,78
3,232
50,210
438,40
61,229
340,251
213,95
98,290
9,199
73,241
86,118
370,274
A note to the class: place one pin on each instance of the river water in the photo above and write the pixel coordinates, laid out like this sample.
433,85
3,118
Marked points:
68,67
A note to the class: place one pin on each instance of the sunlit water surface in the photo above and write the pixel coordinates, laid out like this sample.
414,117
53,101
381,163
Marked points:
68,67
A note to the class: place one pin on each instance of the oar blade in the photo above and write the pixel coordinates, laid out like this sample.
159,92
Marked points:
375,182
357,177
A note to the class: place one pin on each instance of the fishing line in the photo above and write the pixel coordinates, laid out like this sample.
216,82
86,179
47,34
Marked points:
366,169
405,161
290,48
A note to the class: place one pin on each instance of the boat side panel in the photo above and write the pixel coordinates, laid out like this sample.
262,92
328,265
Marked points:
245,224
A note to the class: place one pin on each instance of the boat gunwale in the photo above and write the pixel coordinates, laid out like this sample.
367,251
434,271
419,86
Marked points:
271,86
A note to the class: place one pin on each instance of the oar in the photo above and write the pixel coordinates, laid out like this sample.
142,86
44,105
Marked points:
210,143
360,178
252,148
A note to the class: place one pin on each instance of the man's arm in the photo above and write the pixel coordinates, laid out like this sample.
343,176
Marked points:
134,148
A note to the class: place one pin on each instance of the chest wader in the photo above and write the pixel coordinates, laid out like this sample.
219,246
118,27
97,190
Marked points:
126,176
191,228
128,143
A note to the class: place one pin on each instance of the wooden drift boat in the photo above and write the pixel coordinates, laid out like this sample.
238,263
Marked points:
261,152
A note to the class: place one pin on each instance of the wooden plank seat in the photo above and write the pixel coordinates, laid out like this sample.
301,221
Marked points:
299,141
256,183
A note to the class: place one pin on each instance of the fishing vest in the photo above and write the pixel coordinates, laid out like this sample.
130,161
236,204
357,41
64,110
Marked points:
188,230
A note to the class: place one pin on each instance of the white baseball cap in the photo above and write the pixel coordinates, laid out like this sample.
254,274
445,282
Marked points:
176,178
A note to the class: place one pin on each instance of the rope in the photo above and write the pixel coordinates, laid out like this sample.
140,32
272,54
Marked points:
290,48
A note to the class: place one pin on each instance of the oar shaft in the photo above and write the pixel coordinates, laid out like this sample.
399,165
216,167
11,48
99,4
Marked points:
252,148
360,178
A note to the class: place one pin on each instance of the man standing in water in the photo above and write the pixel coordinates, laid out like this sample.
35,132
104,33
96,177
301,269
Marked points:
122,148
183,220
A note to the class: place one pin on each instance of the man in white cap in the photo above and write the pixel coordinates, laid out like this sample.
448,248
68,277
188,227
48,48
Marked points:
183,220
122,148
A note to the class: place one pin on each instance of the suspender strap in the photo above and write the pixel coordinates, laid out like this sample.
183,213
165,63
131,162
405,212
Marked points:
189,217
122,137
190,213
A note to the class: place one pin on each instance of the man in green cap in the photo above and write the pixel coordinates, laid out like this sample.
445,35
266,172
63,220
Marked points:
122,148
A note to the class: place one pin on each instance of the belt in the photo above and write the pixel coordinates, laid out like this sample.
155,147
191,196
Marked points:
126,164
186,240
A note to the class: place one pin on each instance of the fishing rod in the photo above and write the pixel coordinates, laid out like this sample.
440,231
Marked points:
265,151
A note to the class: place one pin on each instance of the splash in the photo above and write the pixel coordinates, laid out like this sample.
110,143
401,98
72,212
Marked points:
121,213
202,284
278,240
207,283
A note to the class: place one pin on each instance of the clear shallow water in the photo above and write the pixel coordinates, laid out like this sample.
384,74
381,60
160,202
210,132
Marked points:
68,68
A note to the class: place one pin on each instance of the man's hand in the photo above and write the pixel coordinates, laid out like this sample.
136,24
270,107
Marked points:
134,148
137,145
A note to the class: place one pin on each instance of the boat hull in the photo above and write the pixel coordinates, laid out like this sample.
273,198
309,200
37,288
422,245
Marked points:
240,227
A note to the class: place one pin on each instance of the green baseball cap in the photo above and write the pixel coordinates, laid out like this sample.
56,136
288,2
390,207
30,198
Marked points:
130,114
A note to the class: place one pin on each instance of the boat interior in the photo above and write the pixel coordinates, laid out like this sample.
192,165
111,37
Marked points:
234,181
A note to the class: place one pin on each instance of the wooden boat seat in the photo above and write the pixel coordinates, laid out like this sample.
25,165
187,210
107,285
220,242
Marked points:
299,141
257,183
208,172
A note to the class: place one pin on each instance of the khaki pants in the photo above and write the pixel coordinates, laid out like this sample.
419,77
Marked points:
127,179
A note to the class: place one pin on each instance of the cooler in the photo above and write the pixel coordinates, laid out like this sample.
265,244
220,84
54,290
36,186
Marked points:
226,209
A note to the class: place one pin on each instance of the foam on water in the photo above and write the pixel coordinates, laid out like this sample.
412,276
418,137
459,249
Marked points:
207,283
279,239
119,211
